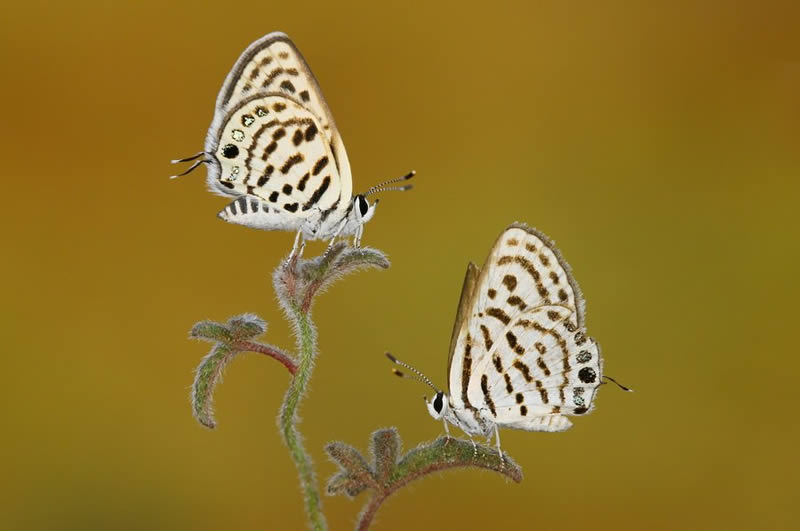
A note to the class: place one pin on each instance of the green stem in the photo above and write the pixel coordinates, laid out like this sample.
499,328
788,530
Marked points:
288,421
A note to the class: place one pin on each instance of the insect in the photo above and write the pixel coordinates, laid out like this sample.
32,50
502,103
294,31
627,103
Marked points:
519,354
273,146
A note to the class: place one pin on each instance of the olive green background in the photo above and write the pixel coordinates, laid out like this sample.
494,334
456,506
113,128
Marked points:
656,142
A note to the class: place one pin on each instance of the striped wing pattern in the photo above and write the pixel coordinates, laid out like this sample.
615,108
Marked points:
274,137
521,358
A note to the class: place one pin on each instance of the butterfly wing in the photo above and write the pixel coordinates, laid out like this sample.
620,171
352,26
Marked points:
521,354
464,306
273,136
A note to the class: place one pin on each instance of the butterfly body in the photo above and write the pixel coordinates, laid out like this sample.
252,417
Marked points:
274,148
519,354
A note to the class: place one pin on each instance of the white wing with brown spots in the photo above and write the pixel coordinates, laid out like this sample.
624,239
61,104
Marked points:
273,138
521,358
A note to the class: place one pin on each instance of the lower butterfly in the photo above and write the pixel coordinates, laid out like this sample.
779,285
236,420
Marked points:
273,146
519,354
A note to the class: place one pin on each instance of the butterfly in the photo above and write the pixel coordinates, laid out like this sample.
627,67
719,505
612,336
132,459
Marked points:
273,146
519,354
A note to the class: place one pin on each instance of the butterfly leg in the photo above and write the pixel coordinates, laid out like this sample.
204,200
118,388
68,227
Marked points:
357,237
297,248
335,235
474,447
446,432
499,450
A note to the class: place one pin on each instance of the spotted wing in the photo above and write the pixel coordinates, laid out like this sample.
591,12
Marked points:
521,357
273,136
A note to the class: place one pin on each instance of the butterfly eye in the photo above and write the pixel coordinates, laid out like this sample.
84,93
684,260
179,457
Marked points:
438,402
230,151
363,205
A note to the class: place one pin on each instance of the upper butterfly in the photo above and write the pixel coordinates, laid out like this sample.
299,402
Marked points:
273,145
519,354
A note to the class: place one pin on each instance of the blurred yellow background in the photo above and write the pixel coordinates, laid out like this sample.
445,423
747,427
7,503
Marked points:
656,142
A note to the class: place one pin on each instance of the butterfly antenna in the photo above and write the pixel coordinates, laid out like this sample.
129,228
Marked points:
187,159
618,384
191,168
383,187
419,376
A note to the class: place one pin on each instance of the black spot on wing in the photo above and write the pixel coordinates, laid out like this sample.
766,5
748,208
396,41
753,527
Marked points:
510,282
267,173
486,396
466,370
498,364
511,338
311,132
302,184
318,193
498,314
587,375
524,369
290,207
320,165
487,340
291,161
543,366
230,151
287,86
271,77
516,301
269,150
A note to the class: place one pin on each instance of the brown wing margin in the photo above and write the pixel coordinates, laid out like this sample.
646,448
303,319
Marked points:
464,306
224,96
580,303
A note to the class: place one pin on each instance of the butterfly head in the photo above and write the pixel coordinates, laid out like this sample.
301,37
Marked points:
362,209
437,406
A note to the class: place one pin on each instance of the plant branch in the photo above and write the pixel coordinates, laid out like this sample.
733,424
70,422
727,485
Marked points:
296,284
229,340
268,350
289,419
388,473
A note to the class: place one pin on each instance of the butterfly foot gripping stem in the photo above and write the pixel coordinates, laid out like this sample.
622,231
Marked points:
297,249
330,246
499,450
357,237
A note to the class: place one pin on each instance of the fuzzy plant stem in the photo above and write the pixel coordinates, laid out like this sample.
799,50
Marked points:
275,354
369,512
306,340
389,471
296,283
